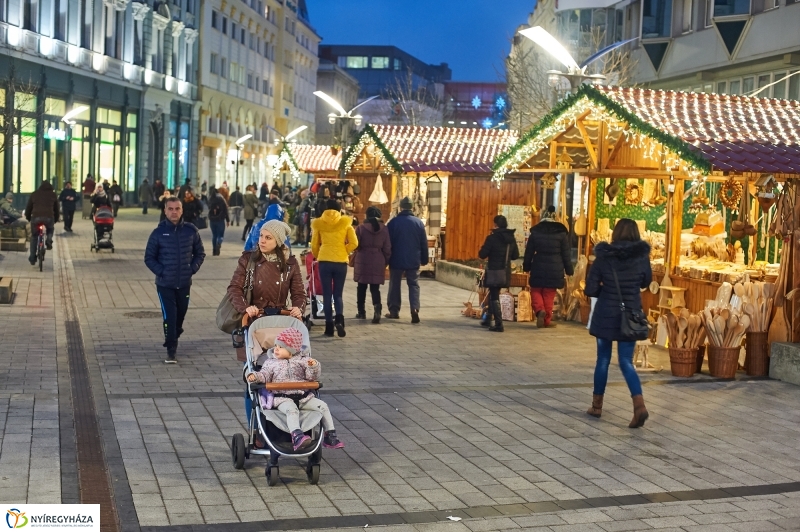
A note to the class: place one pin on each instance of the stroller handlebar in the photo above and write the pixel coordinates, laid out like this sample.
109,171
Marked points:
246,319
282,386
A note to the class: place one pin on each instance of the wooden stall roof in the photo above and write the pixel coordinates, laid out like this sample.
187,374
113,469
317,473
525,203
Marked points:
316,158
702,132
407,149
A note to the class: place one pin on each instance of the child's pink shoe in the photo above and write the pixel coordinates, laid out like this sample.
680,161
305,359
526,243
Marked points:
331,441
298,439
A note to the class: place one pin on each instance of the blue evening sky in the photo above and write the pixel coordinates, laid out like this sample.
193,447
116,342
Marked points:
471,36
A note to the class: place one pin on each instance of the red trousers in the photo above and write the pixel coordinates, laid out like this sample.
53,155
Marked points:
542,299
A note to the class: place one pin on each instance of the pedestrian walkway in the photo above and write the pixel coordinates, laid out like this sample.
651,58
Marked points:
439,419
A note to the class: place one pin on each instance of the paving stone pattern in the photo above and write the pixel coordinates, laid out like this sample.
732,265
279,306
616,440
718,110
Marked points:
440,416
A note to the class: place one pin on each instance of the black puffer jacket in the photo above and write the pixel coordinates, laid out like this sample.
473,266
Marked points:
174,253
631,261
495,246
43,203
548,256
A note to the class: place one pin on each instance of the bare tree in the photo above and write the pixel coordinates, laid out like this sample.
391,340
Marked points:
422,105
24,112
529,91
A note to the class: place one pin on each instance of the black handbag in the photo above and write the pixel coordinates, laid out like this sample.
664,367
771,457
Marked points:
498,278
633,324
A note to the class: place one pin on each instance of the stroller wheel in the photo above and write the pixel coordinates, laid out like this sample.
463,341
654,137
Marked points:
313,473
272,475
237,451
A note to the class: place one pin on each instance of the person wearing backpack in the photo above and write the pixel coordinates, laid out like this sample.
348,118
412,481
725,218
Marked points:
217,217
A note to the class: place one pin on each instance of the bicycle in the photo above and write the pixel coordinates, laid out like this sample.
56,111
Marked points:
40,244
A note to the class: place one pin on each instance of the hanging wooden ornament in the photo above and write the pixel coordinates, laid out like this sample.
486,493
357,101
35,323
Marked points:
730,194
633,193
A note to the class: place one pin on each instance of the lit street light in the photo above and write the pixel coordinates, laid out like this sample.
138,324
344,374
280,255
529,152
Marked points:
344,116
68,118
575,74
239,146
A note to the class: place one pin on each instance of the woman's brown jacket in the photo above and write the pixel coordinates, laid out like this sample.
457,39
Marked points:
270,288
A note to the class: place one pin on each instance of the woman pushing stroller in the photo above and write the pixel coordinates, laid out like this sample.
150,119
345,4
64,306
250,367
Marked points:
288,362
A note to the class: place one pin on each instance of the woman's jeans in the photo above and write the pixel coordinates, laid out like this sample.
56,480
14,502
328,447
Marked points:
625,357
217,232
333,276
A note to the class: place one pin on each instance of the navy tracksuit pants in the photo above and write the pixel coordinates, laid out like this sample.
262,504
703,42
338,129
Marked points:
174,304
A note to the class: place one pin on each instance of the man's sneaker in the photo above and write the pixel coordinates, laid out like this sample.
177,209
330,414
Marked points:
331,441
298,439
414,316
392,316
540,316
170,358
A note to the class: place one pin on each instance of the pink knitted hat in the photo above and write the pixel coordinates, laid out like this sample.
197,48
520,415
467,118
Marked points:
290,339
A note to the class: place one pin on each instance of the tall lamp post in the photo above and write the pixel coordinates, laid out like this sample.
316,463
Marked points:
239,146
575,74
345,117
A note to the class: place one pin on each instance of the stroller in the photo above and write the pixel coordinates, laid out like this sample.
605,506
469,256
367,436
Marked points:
313,288
271,423
103,229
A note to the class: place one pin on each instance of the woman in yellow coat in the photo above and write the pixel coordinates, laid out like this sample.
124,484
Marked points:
332,240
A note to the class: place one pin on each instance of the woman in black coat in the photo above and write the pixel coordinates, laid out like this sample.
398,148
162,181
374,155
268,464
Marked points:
192,207
548,257
629,257
497,246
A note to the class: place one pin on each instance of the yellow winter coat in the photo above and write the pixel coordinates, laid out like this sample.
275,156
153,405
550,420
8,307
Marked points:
333,237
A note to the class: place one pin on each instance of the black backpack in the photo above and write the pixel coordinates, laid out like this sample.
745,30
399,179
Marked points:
215,210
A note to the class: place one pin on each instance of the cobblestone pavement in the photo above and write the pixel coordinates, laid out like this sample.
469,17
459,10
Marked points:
439,419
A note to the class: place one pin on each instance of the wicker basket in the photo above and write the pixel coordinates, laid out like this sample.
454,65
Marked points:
756,361
723,361
682,362
586,309
701,354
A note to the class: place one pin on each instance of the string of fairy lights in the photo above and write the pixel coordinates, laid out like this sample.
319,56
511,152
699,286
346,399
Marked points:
286,157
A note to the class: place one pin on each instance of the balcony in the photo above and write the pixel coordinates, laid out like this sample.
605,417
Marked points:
42,47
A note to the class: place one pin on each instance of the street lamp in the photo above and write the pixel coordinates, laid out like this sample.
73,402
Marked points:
344,116
575,74
239,146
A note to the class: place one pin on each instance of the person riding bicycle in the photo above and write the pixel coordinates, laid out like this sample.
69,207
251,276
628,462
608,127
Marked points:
42,208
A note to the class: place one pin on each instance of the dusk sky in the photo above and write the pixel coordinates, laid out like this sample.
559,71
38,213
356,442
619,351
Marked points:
471,36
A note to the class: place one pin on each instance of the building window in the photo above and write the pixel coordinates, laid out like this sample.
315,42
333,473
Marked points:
397,64
249,80
252,41
688,11
212,64
722,87
794,86
225,25
726,8
380,62
234,35
223,70
234,71
656,18
214,20
242,35
709,13
748,85
735,87
354,61
779,89
265,87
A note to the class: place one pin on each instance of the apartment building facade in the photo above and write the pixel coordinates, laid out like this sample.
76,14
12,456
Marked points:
257,76
128,67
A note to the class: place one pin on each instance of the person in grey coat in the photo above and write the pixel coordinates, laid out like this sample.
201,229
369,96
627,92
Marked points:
145,195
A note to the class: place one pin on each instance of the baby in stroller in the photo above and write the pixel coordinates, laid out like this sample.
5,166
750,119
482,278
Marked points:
288,362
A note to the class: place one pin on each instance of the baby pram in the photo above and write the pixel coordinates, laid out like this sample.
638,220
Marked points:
103,229
271,424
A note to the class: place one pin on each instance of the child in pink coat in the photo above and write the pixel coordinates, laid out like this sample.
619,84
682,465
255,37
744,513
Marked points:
290,363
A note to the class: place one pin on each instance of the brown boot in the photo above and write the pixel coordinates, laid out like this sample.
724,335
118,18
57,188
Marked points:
597,406
640,414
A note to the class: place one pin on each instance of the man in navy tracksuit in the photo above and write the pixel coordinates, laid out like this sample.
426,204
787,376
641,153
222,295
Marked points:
174,253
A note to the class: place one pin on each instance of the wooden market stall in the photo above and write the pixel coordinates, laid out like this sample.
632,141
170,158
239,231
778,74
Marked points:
407,159
315,159
711,180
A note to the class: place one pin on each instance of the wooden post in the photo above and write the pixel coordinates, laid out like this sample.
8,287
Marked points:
591,204
676,226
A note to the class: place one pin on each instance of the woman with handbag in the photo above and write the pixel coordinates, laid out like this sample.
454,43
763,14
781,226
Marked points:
548,257
499,248
272,272
620,270
371,258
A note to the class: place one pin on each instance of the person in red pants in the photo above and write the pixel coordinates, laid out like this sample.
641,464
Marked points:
548,258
